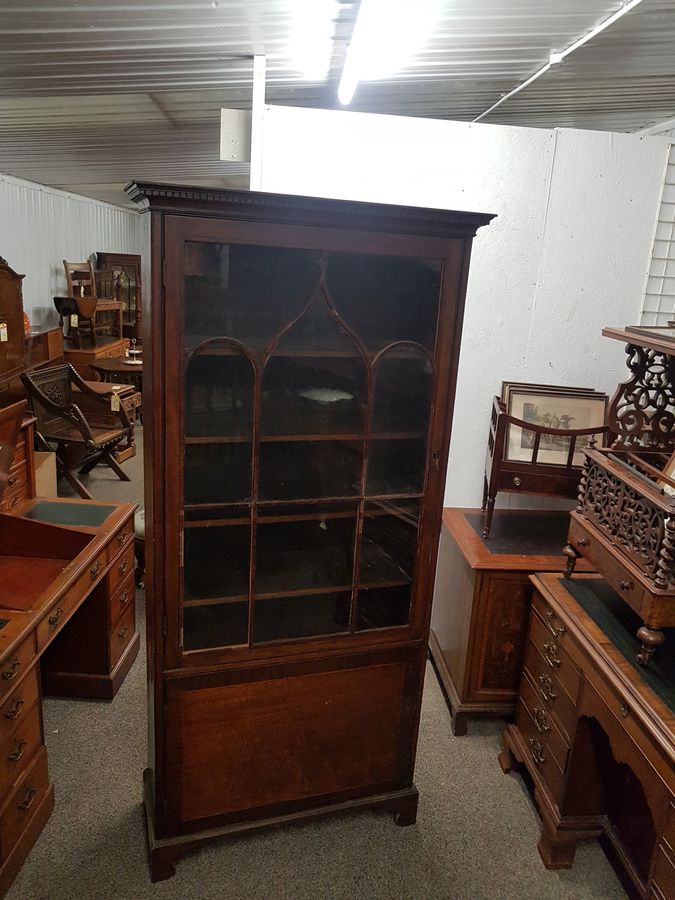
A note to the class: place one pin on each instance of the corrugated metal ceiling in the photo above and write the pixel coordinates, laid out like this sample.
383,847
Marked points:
95,92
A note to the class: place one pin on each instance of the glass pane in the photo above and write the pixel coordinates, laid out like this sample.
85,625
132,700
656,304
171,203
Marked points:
216,562
304,616
217,473
305,470
386,299
219,393
216,625
316,381
401,406
243,291
387,563
305,555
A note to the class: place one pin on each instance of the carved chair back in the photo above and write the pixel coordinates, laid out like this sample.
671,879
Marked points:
51,391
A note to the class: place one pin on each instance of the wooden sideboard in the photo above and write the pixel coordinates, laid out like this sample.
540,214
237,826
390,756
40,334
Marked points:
482,604
67,627
596,733
21,480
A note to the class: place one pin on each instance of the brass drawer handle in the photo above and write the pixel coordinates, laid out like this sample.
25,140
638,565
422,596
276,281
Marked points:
537,751
582,542
12,480
95,570
122,537
11,673
124,598
123,633
27,801
14,713
516,481
555,630
623,709
626,585
541,720
16,755
56,618
550,654
546,687
14,502
123,566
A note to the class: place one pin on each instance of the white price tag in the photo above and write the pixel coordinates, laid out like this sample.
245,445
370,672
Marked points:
115,403
73,320
3,332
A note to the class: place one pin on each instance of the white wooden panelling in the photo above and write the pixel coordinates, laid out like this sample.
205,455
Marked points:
40,227
659,300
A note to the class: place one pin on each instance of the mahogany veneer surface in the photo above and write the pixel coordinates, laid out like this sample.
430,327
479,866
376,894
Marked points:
24,578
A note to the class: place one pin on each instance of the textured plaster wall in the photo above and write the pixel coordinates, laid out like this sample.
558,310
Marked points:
567,254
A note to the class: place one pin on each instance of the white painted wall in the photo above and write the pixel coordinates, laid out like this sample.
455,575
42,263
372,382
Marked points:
41,226
568,253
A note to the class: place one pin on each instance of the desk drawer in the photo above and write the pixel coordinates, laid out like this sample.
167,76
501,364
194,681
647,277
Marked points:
121,634
122,567
18,704
124,536
555,657
544,722
16,665
18,751
121,599
539,755
556,700
25,797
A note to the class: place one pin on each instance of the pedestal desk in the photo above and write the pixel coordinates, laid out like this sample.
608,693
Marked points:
596,732
67,628
482,604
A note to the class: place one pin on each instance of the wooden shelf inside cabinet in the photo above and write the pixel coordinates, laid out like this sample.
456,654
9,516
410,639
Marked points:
306,377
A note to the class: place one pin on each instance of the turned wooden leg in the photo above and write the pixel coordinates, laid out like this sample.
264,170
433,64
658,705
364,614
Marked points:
556,849
485,493
650,638
488,516
572,556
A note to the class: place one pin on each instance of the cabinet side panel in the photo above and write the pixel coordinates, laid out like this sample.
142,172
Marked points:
452,607
251,745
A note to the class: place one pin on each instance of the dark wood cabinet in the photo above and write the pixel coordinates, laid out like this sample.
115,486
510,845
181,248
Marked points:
300,373
11,323
120,279
482,604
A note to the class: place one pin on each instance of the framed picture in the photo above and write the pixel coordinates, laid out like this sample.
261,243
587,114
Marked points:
508,386
552,409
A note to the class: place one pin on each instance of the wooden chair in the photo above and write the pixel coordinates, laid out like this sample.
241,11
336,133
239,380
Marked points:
82,287
61,425
530,476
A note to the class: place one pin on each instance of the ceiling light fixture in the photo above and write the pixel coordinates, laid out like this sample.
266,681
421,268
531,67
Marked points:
558,56
312,33
386,36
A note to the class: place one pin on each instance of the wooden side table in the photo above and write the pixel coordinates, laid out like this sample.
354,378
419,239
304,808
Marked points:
482,604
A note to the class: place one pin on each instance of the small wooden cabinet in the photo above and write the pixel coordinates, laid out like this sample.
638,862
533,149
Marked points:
482,604
83,359
300,373
11,322
596,732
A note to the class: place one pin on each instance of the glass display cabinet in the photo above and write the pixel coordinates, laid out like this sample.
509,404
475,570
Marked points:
121,275
301,371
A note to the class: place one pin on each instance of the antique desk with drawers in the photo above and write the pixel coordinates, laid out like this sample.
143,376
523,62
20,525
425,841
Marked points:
596,732
67,628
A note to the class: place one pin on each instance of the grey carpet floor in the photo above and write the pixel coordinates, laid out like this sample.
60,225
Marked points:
475,836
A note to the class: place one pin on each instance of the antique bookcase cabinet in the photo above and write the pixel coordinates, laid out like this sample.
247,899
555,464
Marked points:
300,360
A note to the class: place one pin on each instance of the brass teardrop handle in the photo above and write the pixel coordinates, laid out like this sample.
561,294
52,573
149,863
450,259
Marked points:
626,585
56,618
11,673
27,801
122,537
95,569
123,633
13,713
123,566
124,598
12,480
582,542
550,654
16,755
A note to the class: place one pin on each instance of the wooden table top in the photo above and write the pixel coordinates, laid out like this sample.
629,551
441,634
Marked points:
117,364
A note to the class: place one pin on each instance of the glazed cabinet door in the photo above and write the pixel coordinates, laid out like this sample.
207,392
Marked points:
300,412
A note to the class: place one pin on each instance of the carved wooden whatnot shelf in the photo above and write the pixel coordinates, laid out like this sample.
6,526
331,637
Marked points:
625,523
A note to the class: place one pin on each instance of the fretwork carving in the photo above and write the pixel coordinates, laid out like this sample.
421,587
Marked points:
642,412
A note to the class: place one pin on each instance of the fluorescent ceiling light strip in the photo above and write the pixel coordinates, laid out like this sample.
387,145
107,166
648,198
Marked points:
558,57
